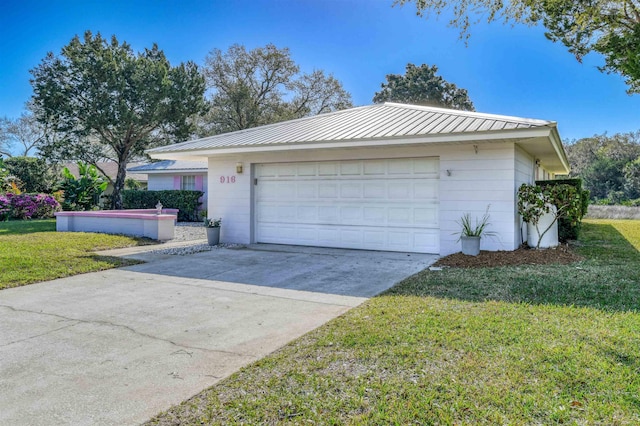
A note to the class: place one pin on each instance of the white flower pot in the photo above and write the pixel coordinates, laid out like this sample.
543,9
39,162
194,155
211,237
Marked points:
470,245
213,236
550,239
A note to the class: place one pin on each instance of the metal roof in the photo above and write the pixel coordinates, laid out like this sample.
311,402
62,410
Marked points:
380,121
170,166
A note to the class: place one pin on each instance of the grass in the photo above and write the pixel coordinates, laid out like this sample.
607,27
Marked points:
31,251
509,345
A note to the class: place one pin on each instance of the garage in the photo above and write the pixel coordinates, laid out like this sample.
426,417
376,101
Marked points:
383,204
389,176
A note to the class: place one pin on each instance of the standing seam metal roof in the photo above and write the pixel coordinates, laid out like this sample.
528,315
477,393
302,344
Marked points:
369,122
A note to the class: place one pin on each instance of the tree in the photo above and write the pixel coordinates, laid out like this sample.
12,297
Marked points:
25,131
262,86
632,179
421,86
561,201
611,28
601,161
111,103
5,143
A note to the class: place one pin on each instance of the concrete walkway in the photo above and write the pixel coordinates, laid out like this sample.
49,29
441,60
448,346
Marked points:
119,346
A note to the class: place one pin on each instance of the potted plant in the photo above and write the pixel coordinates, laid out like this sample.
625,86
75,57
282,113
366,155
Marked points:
213,231
541,207
470,234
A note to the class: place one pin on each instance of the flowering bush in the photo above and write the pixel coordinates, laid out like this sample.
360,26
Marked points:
27,206
22,205
5,207
47,205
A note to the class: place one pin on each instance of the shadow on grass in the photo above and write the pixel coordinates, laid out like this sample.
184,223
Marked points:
114,262
15,227
608,278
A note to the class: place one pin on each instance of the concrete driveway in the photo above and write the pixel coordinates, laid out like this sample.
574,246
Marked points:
119,346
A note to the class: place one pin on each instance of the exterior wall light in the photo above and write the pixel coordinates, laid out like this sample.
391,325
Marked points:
239,168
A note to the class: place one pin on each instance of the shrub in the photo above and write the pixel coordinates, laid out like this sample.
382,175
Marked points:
35,174
22,206
569,228
5,207
82,193
47,206
187,202
27,206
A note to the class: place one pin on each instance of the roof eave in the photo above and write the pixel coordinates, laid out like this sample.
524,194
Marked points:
559,147
169,171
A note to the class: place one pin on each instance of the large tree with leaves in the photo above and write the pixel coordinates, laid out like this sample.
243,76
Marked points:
422,86
608,27
254,87
112,103
607,164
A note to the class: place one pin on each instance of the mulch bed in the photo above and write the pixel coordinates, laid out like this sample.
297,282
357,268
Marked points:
523,256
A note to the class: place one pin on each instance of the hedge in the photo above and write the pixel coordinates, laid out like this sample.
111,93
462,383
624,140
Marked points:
187,202
566,229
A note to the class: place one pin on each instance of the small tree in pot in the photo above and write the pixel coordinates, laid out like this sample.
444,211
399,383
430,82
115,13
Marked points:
470,234
213,231
558,201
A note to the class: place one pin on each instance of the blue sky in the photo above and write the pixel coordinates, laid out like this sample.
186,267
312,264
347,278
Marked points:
507,70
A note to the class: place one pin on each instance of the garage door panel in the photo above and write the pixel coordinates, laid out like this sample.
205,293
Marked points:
350,168
427,242
328,190
401,167
375,168
375,190
399,239
399,190
287,214
421,167
374,238
373,215
287,170
328,214
307,190
307,169
350,190
308,214
307,235
328,169
350,215
329,236
367,204
427,217
426,191
400,216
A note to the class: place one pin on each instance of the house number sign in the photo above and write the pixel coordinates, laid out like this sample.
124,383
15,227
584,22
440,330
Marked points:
227,179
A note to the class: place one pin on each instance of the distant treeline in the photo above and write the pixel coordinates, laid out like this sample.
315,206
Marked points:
609,167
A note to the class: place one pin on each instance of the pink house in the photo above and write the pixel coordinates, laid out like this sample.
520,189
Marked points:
172,174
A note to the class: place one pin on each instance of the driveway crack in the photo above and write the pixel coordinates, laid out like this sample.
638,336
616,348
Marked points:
110,324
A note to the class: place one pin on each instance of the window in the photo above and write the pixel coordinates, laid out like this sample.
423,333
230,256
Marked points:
188,183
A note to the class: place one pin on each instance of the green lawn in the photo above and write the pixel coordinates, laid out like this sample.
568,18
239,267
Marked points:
31,251
510,345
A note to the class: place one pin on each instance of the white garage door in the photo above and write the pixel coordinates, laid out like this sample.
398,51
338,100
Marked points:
387,204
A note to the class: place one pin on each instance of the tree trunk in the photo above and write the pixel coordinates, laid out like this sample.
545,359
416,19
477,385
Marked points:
118,184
